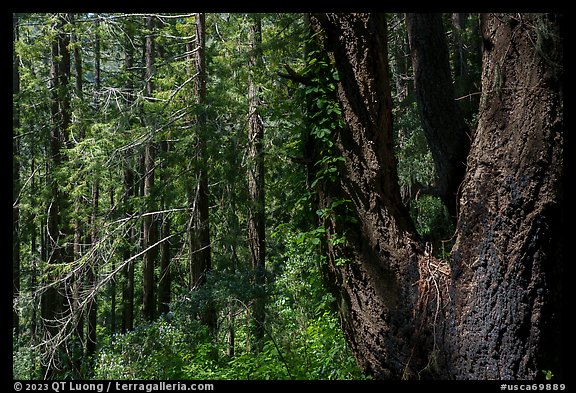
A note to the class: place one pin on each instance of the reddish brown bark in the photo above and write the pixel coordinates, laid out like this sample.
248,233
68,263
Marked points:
255,176
494,310
507,261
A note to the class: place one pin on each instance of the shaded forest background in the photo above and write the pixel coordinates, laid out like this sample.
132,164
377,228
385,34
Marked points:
175,191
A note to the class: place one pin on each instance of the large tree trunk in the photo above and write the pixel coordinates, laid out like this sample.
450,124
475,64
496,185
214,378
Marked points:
374,283
495,310
507,260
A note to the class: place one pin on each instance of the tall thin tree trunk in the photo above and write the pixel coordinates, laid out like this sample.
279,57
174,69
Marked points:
466,63
15,182
400,52
130,190
446,132
201,255
52,307
459,65
163,219
34,265
255,156
128,284
231,178
78,279
149,221
403,80
200,248
92,272
113,283
92,307
165,281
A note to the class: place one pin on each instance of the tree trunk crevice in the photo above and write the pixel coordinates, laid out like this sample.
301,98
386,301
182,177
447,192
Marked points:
488,311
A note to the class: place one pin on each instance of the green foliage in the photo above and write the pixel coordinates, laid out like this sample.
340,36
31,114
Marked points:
316,348
416,168
431,218
326,114
415,162
303,337
111,124
25,360
155,350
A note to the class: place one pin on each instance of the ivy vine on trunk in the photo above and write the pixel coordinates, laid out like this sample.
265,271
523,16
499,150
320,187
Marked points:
493,309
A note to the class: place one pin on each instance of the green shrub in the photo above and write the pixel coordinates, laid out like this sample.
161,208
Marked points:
155,350
303,336
25,361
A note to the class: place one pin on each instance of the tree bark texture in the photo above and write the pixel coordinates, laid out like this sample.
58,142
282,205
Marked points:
442,120
57,228
494,310
508,260
374,284
255,156
200,247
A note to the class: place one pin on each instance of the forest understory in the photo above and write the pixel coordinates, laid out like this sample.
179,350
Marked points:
288,196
